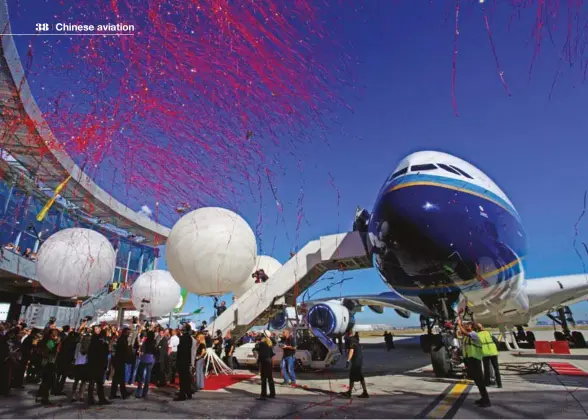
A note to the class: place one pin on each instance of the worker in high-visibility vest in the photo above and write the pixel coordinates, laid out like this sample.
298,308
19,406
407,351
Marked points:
472,351
490,352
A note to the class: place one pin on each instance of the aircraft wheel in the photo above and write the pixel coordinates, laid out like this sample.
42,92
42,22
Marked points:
579,340
559,336
531,339
441,361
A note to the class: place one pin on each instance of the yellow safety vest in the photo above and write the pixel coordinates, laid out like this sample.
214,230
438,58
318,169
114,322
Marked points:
488,346
472,349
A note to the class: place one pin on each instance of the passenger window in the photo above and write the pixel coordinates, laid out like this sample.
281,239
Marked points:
425,167
448,168
464,173
398,173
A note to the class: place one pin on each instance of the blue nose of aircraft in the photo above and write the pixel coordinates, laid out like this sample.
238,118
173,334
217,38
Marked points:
429,236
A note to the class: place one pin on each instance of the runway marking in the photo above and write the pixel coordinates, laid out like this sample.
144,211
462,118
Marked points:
451,400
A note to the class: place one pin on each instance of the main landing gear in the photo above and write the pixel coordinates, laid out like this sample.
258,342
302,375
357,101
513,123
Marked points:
512,340
563,316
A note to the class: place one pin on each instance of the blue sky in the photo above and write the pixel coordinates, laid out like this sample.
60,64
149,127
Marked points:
532,146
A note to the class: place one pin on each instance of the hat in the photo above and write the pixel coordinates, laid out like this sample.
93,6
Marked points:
267,333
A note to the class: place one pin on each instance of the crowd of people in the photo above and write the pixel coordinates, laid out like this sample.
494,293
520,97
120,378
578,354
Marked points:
142,353
27,253
139,353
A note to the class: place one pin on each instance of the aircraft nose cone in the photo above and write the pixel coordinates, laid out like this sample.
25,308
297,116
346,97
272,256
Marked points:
406,231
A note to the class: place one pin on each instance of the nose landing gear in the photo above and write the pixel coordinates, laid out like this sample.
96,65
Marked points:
441,341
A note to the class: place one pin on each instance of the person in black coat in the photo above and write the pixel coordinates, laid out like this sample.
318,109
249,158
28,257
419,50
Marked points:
64,361
25,350
97,362
123,353
5,371
163,358
265,354
184,364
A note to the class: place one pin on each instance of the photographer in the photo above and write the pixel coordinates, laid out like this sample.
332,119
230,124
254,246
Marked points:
260,276
133,363
219,308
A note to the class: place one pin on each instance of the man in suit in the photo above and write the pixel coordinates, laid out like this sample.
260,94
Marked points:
184,363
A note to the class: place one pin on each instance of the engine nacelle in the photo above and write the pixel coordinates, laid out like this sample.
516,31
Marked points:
403,313
330,317
279,321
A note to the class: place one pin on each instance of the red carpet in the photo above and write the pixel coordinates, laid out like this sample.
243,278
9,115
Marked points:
216,382
567,369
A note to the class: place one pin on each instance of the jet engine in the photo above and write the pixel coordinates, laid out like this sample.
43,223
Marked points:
331,318
279,321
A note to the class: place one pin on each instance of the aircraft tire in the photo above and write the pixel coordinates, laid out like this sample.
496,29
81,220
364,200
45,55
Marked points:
579,340
559,336
441,361
531,339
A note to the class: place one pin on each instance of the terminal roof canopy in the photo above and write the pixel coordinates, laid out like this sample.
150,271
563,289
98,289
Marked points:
29,140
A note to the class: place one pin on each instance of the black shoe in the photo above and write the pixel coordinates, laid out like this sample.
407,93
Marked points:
114,397
484,404
272,396
104,402
180,399
346,394
364,395
262,398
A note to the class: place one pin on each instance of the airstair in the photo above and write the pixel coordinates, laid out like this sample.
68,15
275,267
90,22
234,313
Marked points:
38,315
343,252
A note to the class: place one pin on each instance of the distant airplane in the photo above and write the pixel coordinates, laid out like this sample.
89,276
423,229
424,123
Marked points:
448,242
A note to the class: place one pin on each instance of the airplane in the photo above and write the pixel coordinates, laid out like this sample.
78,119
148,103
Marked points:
448,241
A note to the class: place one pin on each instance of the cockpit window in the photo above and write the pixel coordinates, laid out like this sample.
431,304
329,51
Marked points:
448,168
424,167
464,173
398,173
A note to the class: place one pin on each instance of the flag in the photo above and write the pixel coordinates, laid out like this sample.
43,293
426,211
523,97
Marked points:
198,311
181,301
45,209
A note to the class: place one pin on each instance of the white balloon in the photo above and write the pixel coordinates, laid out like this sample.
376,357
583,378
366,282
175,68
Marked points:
75,262
210,251
268,264
159,288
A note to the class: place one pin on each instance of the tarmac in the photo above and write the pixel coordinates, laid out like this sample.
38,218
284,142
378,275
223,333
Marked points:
400,382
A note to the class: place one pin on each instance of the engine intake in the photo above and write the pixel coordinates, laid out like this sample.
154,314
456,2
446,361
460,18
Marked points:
278,322
330,317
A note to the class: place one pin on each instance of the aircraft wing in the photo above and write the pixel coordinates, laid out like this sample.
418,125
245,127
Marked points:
380,301
551,293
